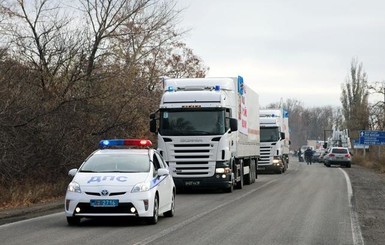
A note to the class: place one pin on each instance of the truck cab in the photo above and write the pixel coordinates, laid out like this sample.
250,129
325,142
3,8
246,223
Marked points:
274,151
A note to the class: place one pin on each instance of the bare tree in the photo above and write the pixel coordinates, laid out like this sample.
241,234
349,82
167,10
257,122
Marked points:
354,99
377,110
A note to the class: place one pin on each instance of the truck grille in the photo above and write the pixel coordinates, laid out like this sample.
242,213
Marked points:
265,151
193,160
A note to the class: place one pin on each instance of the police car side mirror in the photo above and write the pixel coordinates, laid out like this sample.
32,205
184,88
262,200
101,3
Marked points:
72,172
163,171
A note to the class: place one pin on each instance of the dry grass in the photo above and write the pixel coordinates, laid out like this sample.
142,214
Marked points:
23,195
374,159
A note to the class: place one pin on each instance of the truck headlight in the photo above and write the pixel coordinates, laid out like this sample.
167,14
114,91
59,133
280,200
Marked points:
74,187
222,170
140,187
277,161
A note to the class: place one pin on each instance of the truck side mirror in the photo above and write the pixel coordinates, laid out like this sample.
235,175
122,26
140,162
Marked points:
152,116
233,124
282,135
153,125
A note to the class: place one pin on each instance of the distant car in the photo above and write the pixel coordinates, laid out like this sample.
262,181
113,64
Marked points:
120,181
338,156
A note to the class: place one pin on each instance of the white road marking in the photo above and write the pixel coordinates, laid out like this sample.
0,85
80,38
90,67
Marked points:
356,229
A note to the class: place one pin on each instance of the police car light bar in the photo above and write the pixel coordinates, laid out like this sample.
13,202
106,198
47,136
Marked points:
124,142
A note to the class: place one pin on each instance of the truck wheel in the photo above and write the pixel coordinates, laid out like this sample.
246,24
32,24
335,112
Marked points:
239,184
248,177
253,171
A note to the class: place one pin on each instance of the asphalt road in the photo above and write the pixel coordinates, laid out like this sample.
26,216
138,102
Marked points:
306,205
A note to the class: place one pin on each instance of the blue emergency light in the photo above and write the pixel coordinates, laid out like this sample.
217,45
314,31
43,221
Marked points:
170,89
217,88
124,142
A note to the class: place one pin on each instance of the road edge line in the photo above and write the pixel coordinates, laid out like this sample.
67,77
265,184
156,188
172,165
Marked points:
356,228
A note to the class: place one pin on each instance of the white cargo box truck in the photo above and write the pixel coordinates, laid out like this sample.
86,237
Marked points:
208,132
275,141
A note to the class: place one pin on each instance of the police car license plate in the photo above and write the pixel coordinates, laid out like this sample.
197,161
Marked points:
104,203
192,183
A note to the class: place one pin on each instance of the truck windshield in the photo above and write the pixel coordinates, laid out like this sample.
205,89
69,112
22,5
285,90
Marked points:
269,134
192,122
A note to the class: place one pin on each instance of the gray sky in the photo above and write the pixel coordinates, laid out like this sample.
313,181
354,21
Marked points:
298,49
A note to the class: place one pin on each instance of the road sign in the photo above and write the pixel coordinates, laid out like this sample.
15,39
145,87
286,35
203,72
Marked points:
357,145
372,137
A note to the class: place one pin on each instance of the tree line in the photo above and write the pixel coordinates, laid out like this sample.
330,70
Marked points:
73,74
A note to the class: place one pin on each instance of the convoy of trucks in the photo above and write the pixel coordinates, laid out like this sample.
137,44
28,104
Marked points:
275,141
208,132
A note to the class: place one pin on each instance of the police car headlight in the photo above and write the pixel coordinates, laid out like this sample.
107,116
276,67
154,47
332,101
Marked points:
140,187
74,187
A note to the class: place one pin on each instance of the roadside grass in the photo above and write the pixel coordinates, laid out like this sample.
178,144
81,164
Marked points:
374,159
31,192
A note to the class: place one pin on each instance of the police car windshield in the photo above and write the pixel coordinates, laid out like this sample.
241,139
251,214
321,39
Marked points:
129,163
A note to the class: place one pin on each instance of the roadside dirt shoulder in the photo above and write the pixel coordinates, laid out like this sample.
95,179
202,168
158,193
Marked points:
34,210
369,200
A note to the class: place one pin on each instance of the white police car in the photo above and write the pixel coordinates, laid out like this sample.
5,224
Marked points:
120,181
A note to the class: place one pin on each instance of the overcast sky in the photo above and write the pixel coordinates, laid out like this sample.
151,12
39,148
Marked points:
297,49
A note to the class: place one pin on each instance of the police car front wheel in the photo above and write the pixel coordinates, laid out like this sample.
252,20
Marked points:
154,219
73,220
171,212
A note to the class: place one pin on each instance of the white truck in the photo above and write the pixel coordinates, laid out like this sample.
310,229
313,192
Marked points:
339,138
275,141
208,132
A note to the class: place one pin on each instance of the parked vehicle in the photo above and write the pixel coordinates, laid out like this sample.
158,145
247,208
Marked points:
274,127
338,156
208,132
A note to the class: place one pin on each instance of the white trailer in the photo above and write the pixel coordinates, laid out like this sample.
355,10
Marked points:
339,138
208,132
275,141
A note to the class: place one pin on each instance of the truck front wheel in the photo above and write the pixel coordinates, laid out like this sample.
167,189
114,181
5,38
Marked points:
239,184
